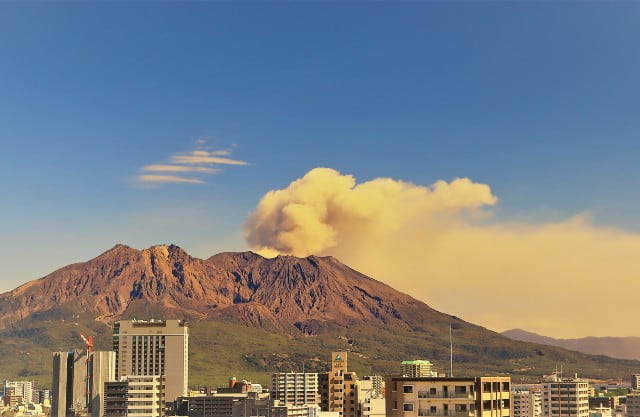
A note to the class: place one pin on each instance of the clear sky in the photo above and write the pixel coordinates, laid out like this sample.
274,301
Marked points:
102,105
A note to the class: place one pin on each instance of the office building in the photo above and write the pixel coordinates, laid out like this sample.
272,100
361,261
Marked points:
448,396
565,397
78,381
295,388
416,369
154,347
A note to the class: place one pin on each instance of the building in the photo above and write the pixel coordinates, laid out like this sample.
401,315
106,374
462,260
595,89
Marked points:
78,382
154,347
135,396
448,396
633,404
338,388
295,388
604,402
23,389
565,397
369,403
635,382
527,401
377,385
416,369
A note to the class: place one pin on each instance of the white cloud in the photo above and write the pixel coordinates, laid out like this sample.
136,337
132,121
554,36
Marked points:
197,161
206,157
156,179
179,168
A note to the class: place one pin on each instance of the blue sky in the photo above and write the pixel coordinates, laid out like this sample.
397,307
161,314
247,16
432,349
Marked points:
540,101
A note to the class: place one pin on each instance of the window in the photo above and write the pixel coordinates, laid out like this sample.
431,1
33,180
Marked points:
432,391
432,409
408,407
407,389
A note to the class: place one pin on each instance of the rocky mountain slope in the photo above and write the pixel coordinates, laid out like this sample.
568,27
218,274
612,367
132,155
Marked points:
258,315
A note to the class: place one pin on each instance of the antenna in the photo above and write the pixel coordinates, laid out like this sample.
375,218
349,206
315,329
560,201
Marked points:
450,351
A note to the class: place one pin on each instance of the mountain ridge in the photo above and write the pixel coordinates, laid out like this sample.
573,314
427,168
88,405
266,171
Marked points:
259,315
615,347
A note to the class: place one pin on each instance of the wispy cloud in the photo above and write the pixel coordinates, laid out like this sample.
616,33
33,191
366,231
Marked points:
205,157
179,168
168,179
202,160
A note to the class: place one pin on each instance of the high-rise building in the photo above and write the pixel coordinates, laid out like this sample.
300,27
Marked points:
154,347
295,388
338,388
448,396
23,389
416,369
370,403
377,385
635,382
565,397
78,381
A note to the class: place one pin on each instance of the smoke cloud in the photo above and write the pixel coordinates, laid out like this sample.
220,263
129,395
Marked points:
440,244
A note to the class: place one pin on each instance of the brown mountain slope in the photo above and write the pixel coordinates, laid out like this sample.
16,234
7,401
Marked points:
258,315
284,292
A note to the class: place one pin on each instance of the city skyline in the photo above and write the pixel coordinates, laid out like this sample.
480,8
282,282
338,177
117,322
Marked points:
482,145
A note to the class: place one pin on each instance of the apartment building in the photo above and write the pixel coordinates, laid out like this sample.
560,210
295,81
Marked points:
135,396
23,389
448,396
635,382
416,369
338,388
527,401
565,397
295,388
154,347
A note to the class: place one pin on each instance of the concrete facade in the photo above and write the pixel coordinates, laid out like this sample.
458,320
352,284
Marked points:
451,397
565,397
154,347
295,388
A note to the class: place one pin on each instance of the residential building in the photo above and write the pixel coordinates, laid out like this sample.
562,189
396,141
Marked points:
526,401
23,389
154,347
338,388
416,369
633,404
635,382
377,385
448,396
135,396
295,388
565,397
370,404
610,402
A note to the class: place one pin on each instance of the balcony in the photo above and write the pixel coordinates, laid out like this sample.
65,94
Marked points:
442,394
442,413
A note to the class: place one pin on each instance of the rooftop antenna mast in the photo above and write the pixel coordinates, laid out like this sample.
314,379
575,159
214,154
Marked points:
450,351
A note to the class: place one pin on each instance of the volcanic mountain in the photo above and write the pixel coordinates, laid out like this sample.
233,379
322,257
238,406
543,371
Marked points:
256,315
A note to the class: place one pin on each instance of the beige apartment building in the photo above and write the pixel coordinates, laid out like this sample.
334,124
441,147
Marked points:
154,348
565,397
135,396
448,397
295,388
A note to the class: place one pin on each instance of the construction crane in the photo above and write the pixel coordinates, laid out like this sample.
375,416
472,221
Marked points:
89,381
